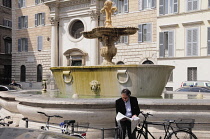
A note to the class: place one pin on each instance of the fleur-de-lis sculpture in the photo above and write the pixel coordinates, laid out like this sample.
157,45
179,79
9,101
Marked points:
109,10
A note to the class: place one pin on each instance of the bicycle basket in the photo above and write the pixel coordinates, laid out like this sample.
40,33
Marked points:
185,123
81,127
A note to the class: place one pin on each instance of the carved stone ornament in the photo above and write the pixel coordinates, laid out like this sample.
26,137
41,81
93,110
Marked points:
95,86
67,77
93,14
53,20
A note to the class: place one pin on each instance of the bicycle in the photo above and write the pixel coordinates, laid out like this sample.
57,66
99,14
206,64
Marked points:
4,123
184,130
64,126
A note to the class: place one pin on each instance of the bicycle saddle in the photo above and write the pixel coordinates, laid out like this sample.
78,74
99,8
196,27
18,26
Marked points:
69,122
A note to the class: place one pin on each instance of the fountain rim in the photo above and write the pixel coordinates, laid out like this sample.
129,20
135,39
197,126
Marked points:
112,66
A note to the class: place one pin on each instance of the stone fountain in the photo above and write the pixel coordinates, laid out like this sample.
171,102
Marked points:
107,80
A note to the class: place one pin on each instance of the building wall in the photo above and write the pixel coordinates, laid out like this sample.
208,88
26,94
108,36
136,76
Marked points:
179,23
5,59
134,52
33,57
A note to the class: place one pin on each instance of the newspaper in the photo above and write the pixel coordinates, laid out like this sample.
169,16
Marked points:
134,120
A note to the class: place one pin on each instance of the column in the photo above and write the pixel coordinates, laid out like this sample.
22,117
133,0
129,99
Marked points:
54,42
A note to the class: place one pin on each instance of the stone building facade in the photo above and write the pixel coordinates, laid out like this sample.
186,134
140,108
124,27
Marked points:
139,48
5,41
31,59
183,32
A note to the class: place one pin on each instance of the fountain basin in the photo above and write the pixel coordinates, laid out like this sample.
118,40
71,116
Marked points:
114,31
142,80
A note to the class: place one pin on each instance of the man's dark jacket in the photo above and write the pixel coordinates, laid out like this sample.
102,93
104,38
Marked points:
120,106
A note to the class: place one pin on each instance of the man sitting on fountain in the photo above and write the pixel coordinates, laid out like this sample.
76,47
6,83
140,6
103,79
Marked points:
128,106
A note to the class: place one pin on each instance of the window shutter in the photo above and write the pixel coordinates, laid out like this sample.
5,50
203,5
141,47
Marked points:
36,20
175,6
26,44
189,5
26,21
149,32
153,3
161,45
39,42
36,1
19,45
126,5
140,33
140,4
171,43
189,42
195,5
208,42
195,42
161,7
43,18
209,3
126,39
24,3
19,22
19,5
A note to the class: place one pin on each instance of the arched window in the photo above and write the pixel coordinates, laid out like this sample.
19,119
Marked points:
23,73
8,45
39,73
147,62
120,63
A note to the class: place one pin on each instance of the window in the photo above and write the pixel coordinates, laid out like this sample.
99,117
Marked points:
209,3
192,42
146,4
76,28
120,63
166,44
39,19
192,5
39,73
7,3
22,22
168,7
145,33
170,79
21,3
123,39
147,62
39,43
7,23
23,44
38,1
8,45
122,5
208,42
192,74
22,73
75,57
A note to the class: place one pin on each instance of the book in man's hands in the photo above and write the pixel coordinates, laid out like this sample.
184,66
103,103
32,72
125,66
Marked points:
134,120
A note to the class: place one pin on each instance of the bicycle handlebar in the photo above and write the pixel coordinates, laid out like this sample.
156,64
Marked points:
58,116
145,114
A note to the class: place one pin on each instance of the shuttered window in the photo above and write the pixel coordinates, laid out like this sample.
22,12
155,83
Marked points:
192,42
39,43
23,44
192,74
7,3
208,42
22,22
145,32
168,7
38,1
147,4
166,44
123,39
192,5
21,3
209,3
122,6
39,19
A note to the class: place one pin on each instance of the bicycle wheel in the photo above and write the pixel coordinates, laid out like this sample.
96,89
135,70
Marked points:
181,134
78,136
141,135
